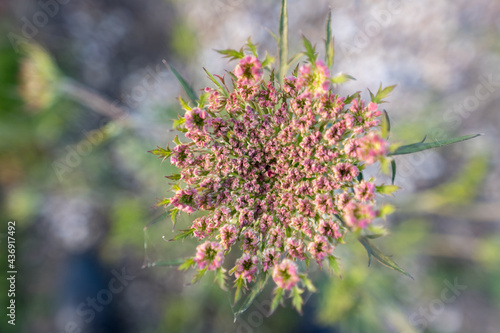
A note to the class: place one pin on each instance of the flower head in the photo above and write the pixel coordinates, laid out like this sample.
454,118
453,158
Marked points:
246,267
285,274
276,168
209,255
248,71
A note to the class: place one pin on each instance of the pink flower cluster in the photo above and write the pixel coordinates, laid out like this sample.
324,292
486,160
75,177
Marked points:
277,170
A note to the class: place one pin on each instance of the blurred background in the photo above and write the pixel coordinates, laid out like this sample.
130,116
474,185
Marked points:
84,95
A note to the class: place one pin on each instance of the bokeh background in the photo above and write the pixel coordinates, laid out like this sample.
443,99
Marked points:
84,95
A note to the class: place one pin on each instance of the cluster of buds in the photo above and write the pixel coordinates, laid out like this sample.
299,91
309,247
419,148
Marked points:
276,167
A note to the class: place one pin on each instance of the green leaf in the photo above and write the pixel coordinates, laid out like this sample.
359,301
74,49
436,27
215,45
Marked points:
283,42
160,152
175,176
277,299
329,42
238,283
220,278
211,77
386,210
176,140
381,94
199,275
393,167
381,258
173,215
307,283
385,126
297,299
334,266
350,98
341,78
231,74
310,50
183,234
252,47
386,189
203,100
187,263
178,122
187,88
376,231
416,147
184,104
232,54
164,202
267,61
256,290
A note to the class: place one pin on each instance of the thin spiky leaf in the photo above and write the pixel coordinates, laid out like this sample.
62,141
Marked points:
161,153
255,291
165,202
380,257
420,146
187,88
211,77
297,300
385,126
308,283
386,189
341,78
238,283
350,98
329,41
283,42
393,168
310,50
186,264
232,54
199,275
381,94
333,263
173,216
175,176
268,60
386,210
252,47
220,278
183,234
277,299
376,231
